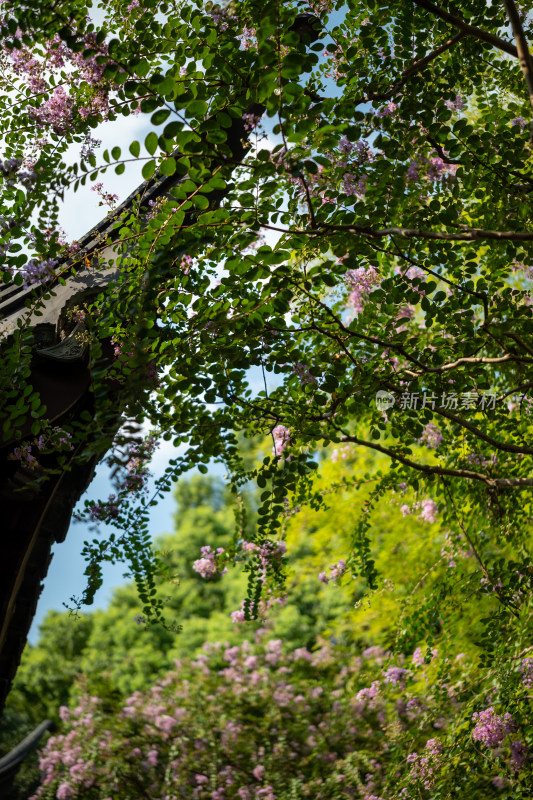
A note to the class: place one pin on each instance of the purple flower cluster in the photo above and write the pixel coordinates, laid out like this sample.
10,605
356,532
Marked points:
360,282
207,566
491,728
481,460
263,715
221,16
83,91
519,754
249,39
107,198
354,186
138,456
419,656
388,111
431,436
428,510
396,675
57,112
251,121
24,455
282,438
186,263
455,105
38,272
103,511
336,571
434,169
302,371
424,766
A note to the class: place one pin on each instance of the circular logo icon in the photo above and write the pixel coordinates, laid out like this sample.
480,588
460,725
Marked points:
384,400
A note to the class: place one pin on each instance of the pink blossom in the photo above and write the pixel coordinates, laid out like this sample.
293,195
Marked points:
526,670
429,511
24,455
35,272
56,112
396,675
206,566
419,656
431,436
455,105
388,110
336,571
64,792
302,371
354,186
360,281
282,438
491,729
369,693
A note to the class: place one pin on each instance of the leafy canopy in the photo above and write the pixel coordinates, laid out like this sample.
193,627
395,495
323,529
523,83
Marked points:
376,241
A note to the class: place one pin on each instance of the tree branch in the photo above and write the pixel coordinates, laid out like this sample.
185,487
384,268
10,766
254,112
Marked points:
415,67
468,30
469,235
476,360
469,426
427,469
526,61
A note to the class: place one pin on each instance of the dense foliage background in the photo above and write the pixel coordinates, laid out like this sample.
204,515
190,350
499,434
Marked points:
352,217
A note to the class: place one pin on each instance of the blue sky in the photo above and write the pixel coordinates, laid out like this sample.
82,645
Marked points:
79,212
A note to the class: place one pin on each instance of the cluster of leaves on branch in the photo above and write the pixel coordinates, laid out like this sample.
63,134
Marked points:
391,176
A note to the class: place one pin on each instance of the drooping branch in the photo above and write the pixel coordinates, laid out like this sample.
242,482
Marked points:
477,556
468,30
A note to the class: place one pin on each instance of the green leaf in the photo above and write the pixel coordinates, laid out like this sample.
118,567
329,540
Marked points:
168,166
172,129
148,169
135,149
200,201
197,108
151,142
160,116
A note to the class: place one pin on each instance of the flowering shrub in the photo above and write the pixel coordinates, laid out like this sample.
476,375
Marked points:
260,721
